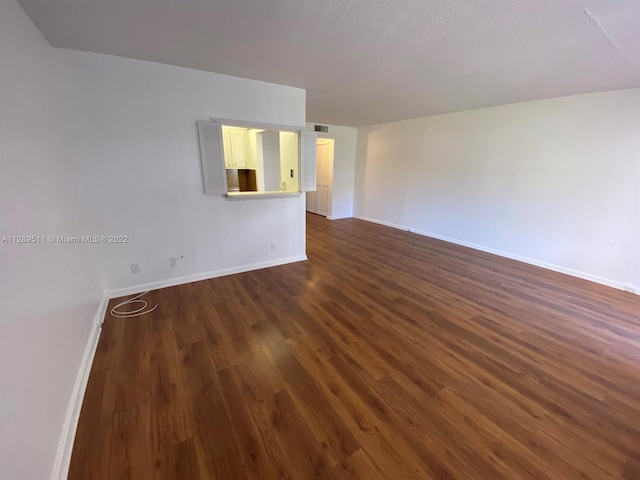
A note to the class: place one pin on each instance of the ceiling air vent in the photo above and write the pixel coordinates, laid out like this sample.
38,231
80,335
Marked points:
321,128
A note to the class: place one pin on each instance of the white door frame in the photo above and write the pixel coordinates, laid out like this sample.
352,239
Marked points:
331,143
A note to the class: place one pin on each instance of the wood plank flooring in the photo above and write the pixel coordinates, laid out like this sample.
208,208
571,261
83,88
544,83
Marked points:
387,355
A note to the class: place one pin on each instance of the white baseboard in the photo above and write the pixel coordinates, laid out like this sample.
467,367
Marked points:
538,263
120,292
340,217
382,222
63,456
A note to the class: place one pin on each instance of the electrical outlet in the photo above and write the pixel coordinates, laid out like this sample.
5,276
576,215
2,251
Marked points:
135,268
272,247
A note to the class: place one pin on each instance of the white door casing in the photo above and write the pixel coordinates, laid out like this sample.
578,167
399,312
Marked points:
323,177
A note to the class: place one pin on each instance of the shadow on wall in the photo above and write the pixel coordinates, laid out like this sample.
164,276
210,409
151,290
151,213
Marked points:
362,149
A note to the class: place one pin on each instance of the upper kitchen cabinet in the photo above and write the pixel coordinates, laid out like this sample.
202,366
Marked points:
226,142
236,147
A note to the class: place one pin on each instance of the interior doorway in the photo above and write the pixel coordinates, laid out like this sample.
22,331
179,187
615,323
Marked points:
319,202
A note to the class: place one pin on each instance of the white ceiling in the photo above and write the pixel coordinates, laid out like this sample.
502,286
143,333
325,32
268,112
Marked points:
371,61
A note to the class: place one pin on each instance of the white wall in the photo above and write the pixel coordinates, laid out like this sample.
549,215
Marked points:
252,161
142,167
49,293
268,145
554,181
344,161
289,160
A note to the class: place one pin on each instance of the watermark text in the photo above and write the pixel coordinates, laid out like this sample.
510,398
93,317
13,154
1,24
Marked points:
63,239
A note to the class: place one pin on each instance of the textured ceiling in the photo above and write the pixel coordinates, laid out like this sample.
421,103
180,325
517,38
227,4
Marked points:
371,61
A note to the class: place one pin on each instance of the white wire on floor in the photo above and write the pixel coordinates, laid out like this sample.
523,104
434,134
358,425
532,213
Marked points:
133,313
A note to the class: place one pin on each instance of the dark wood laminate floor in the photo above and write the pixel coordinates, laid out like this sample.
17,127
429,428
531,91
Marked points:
386,356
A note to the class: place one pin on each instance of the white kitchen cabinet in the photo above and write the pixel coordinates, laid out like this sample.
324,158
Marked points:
240,147
236,147
226,141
